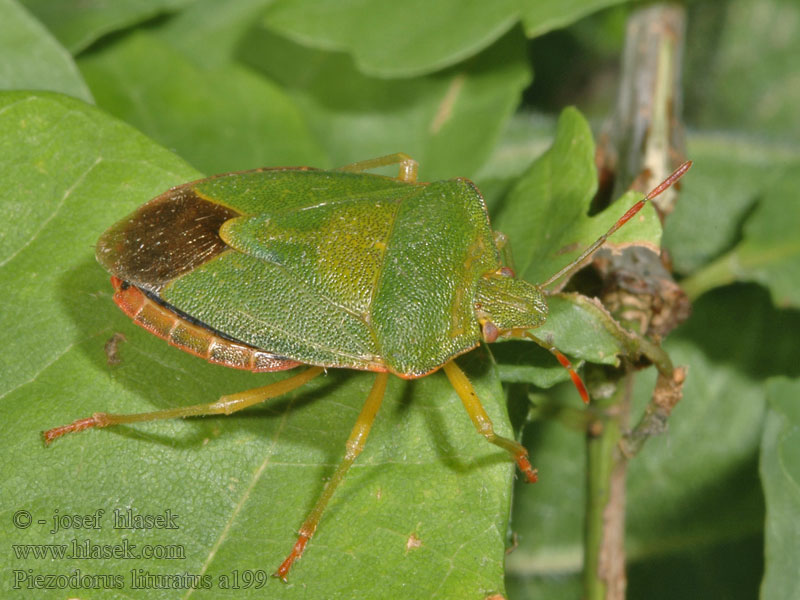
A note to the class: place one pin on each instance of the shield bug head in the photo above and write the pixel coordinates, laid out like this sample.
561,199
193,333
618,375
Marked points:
266,270
504,304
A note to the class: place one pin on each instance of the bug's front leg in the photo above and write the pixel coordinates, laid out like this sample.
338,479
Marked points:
224,406
483,423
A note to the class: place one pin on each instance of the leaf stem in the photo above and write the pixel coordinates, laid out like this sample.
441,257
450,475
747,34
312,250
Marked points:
605,502
720,272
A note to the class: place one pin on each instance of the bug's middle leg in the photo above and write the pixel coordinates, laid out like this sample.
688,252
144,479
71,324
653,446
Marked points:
483,423
355,443
225,405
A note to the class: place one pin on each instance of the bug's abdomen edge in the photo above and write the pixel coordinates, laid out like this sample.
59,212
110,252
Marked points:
193,338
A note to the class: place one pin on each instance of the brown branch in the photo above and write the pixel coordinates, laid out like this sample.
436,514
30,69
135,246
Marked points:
643,143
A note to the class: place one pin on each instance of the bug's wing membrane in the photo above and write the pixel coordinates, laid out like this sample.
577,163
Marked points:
164,239
178,230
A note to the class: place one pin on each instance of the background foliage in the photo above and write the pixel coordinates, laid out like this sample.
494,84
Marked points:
107,104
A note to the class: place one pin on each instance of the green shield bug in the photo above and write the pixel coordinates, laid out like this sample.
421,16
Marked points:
270,269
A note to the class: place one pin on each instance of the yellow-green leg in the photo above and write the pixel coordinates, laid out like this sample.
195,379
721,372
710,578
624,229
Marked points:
408,166
355,443
224,406
482,422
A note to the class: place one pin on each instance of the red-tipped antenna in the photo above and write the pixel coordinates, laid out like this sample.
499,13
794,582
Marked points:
676,174
576,379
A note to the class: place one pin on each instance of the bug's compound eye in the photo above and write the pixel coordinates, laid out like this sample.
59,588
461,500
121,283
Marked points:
490,331
505,272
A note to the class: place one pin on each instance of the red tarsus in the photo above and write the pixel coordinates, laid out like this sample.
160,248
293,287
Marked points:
78,425
525,466
297,551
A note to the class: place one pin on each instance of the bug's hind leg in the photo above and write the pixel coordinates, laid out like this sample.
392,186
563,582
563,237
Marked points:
408,166
482,422
225,405
355,443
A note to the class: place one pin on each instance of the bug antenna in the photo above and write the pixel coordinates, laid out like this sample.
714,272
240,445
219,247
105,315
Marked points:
660,188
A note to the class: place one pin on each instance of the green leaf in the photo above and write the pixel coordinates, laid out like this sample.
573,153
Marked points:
731,173
30,59
395,39
545,216
728,569
780,474
208,32
576,325
769,252
540,17
525,138
742,67
390,39
152,86
546,213
78,23
692,491
62,174
427,502
697,484
447,122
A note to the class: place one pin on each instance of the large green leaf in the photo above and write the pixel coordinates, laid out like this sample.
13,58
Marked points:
393,39
423,512
31,59
780,474
144,81
742,67
168,82
732,173
769,252
209,32
448,122
693,493
78,23
546,213
545,216
540,17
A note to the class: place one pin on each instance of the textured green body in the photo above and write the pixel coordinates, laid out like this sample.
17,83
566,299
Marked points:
327,268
